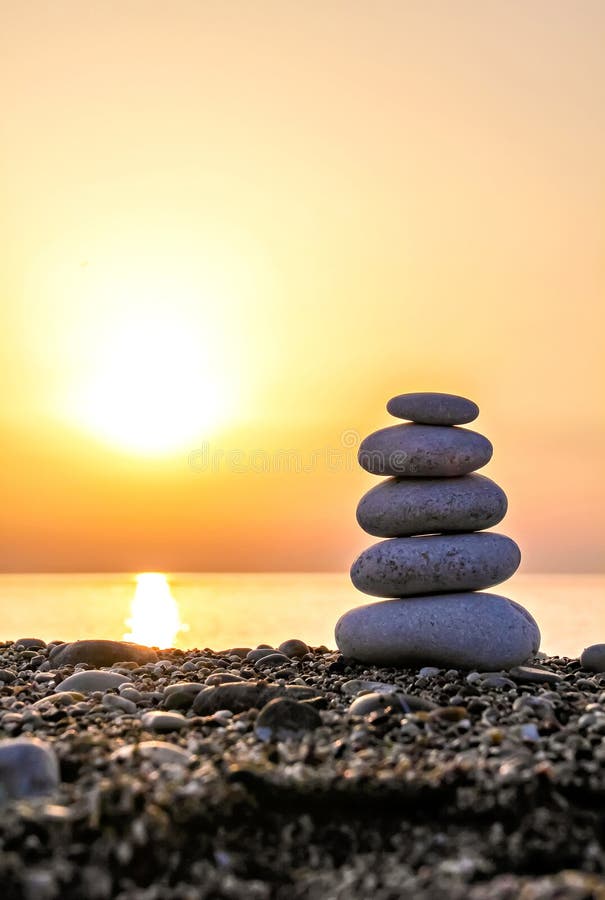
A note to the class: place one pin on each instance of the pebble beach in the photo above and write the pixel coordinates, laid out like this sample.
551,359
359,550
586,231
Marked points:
295,772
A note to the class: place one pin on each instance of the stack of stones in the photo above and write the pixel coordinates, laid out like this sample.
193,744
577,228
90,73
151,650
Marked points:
436,558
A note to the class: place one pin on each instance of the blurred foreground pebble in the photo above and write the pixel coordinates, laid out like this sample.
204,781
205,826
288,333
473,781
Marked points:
28,768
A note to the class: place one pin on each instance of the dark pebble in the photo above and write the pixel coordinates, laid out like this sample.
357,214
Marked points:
593,658
179,700
293,648
245,695
100,653
585,684
271,661
260,652
282,718
533,675
30,644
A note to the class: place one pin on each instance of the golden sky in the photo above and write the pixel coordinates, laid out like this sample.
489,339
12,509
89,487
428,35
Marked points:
241,227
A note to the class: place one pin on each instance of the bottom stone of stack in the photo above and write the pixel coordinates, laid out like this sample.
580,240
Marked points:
466,630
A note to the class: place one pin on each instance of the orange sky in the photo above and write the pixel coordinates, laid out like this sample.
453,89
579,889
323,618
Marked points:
240,227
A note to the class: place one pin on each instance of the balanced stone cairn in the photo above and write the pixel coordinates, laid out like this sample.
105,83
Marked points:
435,559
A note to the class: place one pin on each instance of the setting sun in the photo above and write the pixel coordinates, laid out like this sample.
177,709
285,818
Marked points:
154,614
155,388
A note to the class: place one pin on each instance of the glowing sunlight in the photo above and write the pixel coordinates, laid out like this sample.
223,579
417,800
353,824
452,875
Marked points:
155,385
154,614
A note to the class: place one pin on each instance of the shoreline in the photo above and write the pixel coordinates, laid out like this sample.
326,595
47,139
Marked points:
480,786
218,609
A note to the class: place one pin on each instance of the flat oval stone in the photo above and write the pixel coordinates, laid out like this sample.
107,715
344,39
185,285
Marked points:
185,687
433,409
241,696
534,675
158,720
424,451
374,702
402,567
100,653
399,507
30,643
92,680
272,661
396,700
260,652
462,630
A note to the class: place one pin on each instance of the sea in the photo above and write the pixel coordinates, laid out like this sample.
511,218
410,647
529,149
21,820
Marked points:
221,610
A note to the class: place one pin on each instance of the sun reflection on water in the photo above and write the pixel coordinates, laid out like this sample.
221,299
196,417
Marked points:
154,614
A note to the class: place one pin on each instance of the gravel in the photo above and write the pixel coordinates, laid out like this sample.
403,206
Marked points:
478,788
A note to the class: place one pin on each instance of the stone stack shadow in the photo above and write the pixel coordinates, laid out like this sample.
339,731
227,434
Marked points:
435,559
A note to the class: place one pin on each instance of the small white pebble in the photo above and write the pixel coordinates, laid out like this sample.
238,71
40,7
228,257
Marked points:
530,732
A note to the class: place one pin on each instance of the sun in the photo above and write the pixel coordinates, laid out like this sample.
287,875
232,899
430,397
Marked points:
156,385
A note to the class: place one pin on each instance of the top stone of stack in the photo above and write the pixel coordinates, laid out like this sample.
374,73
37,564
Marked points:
428,445
433,409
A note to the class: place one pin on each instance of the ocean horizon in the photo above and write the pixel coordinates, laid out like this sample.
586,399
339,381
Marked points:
220,610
